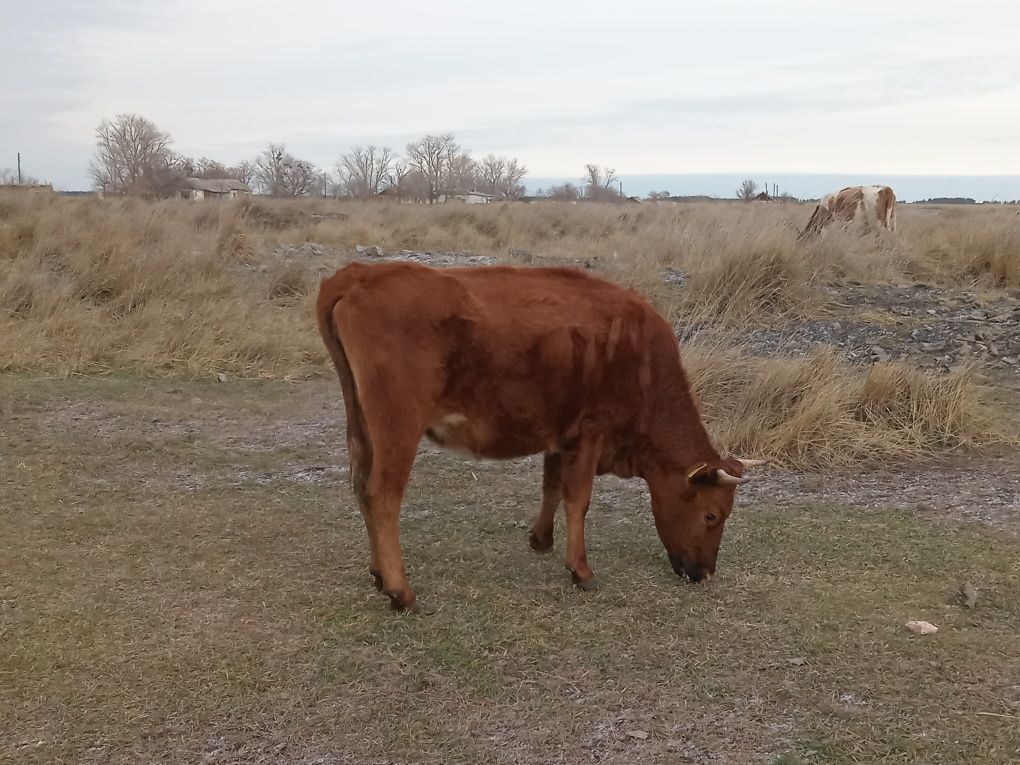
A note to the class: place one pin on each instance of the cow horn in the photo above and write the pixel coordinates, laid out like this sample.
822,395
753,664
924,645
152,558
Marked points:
725,479
748,464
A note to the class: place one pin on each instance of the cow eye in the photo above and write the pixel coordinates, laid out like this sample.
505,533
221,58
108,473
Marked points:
711,518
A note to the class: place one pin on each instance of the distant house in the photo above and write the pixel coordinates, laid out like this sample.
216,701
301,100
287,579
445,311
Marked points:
466,197
216,188
763,196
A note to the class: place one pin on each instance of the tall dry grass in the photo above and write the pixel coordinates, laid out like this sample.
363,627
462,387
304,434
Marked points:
89,286
94,286
819,412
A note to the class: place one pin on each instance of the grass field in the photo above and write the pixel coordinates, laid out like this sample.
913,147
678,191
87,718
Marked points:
183,574
184,577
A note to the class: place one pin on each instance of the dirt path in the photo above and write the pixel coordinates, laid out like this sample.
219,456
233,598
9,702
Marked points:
308,417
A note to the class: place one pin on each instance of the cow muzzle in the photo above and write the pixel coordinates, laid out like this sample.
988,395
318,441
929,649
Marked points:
691,571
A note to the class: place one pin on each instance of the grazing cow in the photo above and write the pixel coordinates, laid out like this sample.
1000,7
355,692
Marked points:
502,362
875,204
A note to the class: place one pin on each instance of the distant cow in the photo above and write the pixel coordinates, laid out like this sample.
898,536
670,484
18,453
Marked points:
875,204
503,362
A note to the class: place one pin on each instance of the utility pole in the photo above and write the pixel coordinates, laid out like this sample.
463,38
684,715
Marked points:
19,168
621,188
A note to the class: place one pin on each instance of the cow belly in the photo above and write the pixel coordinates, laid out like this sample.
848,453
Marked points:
492,439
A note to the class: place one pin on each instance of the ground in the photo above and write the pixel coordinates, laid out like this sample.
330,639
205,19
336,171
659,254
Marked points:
183,573
184,578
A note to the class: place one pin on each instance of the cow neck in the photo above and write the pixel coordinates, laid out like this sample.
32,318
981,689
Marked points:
678,434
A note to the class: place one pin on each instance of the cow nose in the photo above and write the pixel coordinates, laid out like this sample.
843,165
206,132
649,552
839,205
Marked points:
693,572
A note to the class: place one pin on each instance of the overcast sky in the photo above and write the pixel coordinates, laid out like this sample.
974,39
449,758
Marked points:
647,87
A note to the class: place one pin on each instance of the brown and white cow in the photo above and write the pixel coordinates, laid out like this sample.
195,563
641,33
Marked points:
503,362
875,204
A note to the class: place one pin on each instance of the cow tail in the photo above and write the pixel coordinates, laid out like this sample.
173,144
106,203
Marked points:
359,443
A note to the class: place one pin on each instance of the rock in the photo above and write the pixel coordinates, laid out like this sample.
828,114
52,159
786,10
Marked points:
640,735
360,249
933,346
967,595
880,354
1009,359
994,349
921,628
797,661
930,312
222,377
1001,317
979,315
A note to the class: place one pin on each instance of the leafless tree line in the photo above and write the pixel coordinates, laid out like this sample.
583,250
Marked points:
432,167
599,184
133,156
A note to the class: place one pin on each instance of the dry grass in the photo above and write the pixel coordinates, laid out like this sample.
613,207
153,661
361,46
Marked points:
175,288
819,412
89,287
174,588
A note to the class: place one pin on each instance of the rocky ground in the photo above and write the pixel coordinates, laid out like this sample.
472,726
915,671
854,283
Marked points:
933,327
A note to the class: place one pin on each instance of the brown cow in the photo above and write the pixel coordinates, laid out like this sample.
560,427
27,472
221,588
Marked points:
503,362
875,204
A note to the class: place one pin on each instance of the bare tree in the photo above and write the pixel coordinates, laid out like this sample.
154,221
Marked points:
365,170
654,195
211,169
279,174
432,157
515,172
599,183
244,172
501,177
411,185
490,172
747,189
462,174
9,177
132,156
566,191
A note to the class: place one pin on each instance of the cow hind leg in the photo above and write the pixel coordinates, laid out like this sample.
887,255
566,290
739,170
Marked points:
541,536
360,467
393,431
381,502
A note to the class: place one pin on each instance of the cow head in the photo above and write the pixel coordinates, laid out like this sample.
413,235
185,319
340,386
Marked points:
691,508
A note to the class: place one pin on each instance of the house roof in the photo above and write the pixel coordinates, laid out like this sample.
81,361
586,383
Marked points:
463,193
215,185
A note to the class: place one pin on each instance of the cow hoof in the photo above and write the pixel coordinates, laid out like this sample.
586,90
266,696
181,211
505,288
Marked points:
587,585
540,544
403,602
377,578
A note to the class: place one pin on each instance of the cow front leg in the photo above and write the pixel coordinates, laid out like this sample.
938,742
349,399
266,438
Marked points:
541,536
578,476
